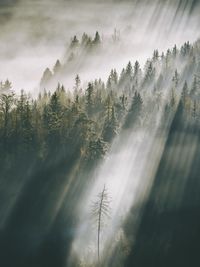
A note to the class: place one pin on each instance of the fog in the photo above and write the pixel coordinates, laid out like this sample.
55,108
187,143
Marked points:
34,34
146,159
128,172
128,175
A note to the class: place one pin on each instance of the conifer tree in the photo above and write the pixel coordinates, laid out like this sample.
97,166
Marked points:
46,78
97,39
57,67
135,111
89,98
74,42
184,94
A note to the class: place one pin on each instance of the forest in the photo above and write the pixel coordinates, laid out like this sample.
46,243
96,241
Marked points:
85,121
52,147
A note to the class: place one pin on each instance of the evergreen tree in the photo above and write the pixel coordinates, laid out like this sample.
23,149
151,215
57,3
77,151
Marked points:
46,78
176,79
168,58
77,85
155,56
57,67
129,70
74,42
86,41
194,89
110,126
122,78
194,110
137,74
89,98
135,111
173,100
137,69
109,83
77,81
7,86
96,150
52,118
97,39
184,94
149,73
174,51
6,104
115,77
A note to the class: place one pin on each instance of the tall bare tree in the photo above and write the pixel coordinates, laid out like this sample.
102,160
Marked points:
100,211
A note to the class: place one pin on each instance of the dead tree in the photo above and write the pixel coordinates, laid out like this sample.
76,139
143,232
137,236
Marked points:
101,211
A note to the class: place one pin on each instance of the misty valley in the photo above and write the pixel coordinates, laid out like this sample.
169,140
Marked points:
99,133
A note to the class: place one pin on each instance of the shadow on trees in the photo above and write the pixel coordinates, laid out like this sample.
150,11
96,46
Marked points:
169,231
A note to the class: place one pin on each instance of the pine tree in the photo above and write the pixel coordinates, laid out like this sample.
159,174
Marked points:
184,94
6,104
87,42
96,150
89,98
168,58
77,81
97,39
46,78
129,70
194,110
176,79
174,51
137,69
52,120
28,131
109,83
7,86
194,89
110,125
155,55
149,73
137,74
122,78
173,100
77,85
115,77
74,42
135,111
57,67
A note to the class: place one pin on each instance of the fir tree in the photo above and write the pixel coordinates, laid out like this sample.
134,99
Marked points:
97,39
89,98
74,42
135,111
46,78
57,67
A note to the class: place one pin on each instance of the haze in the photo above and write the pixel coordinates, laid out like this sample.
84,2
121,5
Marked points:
34,34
